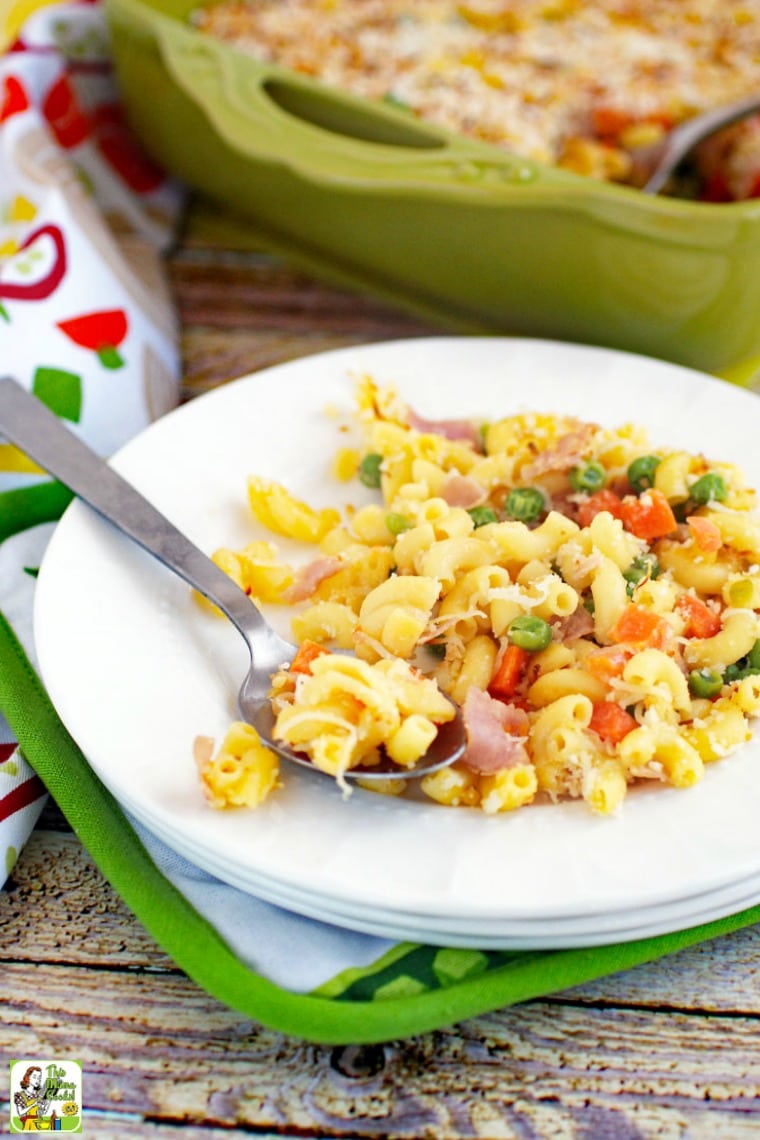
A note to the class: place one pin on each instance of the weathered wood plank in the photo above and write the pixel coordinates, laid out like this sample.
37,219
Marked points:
213,355
157,1047
240,310
230,289
56,907
116,1125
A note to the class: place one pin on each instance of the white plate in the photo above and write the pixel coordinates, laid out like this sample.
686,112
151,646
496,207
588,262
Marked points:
137,670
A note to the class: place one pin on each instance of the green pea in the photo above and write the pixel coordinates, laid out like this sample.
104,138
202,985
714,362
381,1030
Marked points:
705,683
641,472
437,649
590,477
369,469
711,488
482,515
530,632
397,523
641,569
753,658
525,504
735,671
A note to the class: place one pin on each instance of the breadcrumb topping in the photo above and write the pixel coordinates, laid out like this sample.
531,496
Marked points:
582,86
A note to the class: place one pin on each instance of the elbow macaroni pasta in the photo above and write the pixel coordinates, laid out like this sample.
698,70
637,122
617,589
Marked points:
614,630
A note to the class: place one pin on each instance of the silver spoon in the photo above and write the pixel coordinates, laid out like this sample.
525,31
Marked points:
27,423
655,164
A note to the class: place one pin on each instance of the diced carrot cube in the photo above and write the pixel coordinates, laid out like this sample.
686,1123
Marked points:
649,516
611,722
604,500
305,654
608,663
509,672
706,533
701,621
641,628
608,122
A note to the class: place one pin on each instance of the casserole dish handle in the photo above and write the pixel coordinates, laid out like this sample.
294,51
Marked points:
272,114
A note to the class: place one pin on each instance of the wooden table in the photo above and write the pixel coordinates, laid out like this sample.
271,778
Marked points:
669,1050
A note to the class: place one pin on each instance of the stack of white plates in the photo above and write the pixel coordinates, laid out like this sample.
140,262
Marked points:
137,670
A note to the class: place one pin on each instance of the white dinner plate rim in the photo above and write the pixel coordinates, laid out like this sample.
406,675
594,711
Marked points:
676,914
552,934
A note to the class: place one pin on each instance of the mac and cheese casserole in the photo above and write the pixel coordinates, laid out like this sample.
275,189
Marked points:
582,86
589,600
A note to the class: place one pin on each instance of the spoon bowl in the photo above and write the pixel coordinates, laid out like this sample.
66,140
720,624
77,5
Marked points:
27,423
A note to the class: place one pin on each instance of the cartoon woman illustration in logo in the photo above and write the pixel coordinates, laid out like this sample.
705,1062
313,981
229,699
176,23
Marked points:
31,1103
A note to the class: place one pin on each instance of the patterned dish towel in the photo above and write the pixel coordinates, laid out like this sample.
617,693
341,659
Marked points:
83,219
85,318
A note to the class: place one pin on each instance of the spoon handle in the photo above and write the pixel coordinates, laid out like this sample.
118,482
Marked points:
27,423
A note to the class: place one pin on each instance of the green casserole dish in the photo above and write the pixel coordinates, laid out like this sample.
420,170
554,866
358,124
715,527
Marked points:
448,227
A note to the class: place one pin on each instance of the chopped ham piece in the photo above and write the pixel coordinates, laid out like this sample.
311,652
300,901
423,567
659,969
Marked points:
461,491
566,503
567,452
495,733
449,429
578,624
309,576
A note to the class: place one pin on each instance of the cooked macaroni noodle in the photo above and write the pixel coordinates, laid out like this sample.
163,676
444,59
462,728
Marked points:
591,602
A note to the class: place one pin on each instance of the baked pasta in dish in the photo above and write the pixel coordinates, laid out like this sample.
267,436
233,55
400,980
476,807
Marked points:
582,86
591,601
